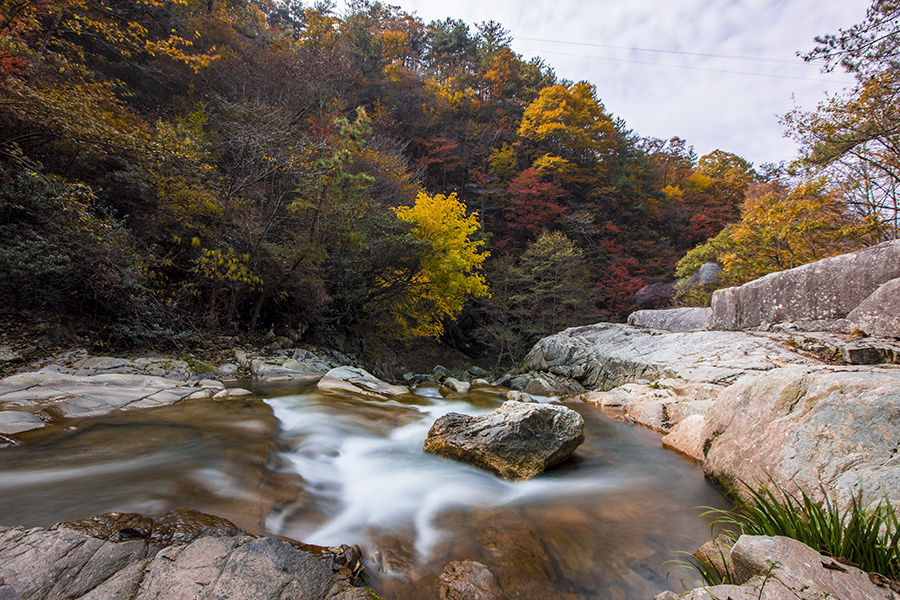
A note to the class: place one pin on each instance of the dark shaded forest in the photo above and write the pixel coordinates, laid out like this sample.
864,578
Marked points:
172,170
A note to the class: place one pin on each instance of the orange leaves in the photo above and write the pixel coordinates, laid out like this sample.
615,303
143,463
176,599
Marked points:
569,122
783,228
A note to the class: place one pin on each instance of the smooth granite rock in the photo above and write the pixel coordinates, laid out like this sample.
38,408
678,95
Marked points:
780,568
358,381
28,400
809,428
455,385
517,441
879,314
17,421
827,289
674,319
606,355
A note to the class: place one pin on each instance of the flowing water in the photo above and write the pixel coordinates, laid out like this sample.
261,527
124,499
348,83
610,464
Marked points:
348,469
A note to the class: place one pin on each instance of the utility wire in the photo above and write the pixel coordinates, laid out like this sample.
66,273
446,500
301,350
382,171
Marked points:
769,59
692,68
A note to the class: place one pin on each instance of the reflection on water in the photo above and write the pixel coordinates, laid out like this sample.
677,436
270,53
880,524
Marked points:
600,526
206,455
332,469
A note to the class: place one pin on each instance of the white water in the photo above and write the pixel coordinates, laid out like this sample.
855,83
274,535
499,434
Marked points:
368,481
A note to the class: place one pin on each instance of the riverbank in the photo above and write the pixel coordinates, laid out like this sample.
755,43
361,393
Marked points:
348,452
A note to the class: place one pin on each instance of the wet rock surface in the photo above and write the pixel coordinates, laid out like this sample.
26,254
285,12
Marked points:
181,526
358,381
517,441
28,400
193,556
468,580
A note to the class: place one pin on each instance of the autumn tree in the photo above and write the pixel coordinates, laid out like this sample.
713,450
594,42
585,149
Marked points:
451,262
568,130
853,139
782,228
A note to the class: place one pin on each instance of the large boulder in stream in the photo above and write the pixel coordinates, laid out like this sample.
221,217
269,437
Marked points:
517,441
195,556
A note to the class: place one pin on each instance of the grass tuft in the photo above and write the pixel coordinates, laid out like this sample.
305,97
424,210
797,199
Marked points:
867,537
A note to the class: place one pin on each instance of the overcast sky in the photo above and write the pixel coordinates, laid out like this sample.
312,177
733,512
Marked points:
710,101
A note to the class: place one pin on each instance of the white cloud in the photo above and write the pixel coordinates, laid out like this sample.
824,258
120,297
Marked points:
731,111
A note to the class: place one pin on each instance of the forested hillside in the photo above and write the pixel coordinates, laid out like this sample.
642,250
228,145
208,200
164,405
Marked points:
170,169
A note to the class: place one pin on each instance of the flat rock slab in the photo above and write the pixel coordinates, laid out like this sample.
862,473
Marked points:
606,355
517,441
15,421
206,562
54,394
673,319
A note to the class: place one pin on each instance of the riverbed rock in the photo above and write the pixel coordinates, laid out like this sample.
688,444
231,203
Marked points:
517,441
687,437
53,395
827,289
548,384
467,580
606,355
455,385
879,314
231,393
79,362
65,562
518,396
477,372
17,421
810,428
181,526
673,319
8,354
780,568
358,381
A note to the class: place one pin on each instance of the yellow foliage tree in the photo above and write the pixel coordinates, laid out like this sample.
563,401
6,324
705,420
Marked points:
570,124
782,229
451,262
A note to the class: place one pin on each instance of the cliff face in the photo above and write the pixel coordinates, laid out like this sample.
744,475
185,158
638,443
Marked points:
827,290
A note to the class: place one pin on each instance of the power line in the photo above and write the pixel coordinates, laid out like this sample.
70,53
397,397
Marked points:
659,51
693,68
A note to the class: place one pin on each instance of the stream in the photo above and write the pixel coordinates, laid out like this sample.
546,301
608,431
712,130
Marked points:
350,470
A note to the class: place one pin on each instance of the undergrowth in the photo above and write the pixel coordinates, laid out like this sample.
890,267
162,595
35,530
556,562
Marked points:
865,536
